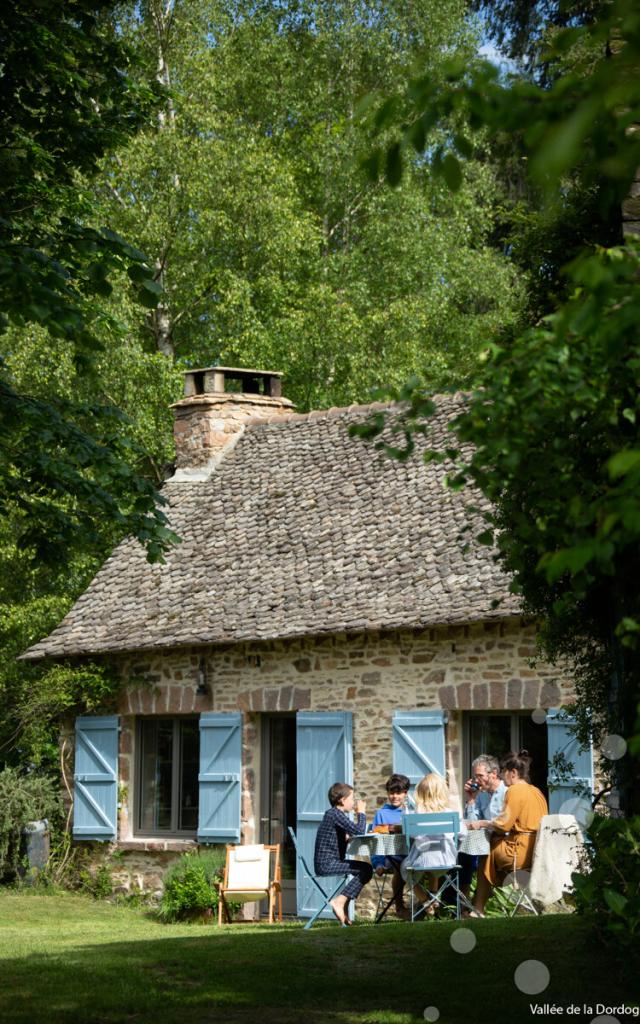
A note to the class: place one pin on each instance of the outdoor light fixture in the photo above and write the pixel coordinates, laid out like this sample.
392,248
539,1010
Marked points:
202,688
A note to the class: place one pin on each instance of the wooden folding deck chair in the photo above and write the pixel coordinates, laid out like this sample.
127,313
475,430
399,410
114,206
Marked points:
249,877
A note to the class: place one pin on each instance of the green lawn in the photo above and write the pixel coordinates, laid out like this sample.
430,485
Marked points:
66,959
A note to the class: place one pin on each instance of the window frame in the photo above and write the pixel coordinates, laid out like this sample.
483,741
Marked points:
176,778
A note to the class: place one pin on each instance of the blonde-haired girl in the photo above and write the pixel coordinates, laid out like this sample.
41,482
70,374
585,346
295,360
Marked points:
431,795
430,852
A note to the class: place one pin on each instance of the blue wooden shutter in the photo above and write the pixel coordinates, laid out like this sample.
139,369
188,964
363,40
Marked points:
562,740
325,756
418,743
219,778
95,778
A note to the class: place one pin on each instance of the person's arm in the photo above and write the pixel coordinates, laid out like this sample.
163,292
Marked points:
475,809
377,861
507,819
352,828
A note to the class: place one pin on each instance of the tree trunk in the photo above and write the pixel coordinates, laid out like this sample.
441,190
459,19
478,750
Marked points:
161,320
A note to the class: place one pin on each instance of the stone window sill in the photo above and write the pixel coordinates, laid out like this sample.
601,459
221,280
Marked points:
147,844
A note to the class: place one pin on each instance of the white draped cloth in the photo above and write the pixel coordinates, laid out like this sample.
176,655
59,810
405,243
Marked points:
559,851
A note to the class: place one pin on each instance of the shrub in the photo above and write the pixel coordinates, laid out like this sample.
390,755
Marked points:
23,798
189,886
98,883
609,893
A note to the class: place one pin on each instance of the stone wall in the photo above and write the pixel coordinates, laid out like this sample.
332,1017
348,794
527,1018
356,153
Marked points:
484,666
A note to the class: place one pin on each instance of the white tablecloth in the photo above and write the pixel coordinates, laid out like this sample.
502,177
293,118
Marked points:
475,842
377,844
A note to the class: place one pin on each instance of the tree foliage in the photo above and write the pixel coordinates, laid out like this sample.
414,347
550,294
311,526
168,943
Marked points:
522,28
272,245
67,96
554,423
228,153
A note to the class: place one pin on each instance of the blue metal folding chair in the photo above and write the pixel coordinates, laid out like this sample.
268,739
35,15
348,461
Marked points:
435,825
326,896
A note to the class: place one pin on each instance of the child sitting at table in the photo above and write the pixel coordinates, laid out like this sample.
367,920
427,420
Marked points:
428,853
333,834
397,787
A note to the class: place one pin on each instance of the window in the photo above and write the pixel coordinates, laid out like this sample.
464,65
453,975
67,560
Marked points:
499,732
167,776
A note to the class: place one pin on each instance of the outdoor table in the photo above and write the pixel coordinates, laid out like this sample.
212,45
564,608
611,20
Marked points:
475,842
378,844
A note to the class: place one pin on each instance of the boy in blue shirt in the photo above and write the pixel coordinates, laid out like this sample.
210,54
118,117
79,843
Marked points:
390,813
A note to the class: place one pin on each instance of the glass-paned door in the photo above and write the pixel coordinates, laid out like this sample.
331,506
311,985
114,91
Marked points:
498,733
278,795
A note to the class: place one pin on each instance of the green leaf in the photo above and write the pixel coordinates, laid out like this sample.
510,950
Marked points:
394,165
560,146
149,285
452,172
623,462
615,901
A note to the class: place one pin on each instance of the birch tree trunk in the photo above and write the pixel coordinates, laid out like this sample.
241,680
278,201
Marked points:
160,318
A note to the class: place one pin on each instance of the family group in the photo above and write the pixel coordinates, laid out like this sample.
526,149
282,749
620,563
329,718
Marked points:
499,797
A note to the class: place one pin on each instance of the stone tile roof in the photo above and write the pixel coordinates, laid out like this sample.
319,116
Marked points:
301,530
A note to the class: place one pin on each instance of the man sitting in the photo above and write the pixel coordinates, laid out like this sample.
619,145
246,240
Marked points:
484,794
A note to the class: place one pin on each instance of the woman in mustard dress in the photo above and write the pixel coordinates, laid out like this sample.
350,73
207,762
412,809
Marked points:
516,827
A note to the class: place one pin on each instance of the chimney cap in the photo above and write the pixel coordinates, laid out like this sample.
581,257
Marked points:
212,380
240,370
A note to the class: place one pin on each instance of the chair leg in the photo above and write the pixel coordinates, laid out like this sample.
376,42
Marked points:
223,911
327,900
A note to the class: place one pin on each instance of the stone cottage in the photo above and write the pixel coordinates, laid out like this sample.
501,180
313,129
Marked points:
320,621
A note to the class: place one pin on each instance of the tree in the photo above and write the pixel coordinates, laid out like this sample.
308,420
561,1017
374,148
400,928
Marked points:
35,594
522,28
67,95
554,423
272,245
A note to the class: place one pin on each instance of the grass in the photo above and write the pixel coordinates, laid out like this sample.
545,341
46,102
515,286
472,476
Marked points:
65,959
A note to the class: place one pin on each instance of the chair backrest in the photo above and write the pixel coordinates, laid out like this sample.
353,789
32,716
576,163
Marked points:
431,824
558,852
299,854
247,867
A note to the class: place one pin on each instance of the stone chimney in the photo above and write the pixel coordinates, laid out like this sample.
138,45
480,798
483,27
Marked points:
219,401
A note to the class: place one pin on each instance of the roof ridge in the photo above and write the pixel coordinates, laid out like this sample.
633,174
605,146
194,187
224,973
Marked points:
334,412
316,414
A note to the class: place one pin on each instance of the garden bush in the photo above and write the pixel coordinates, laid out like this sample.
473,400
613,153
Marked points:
23,798
608,892
189,886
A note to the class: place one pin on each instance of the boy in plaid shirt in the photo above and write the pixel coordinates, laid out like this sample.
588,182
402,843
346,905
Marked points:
331,845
